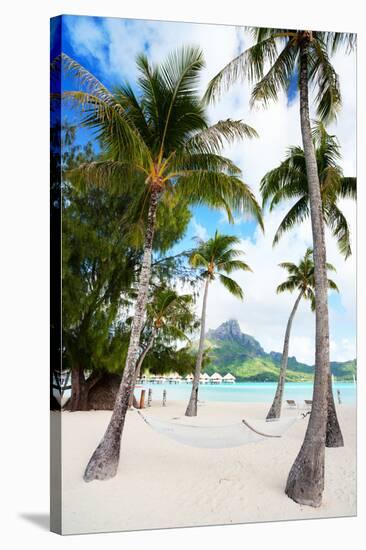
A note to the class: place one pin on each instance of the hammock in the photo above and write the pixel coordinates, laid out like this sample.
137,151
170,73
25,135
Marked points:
220,437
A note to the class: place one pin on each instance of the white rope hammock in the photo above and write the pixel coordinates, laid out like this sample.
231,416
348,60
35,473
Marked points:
220,437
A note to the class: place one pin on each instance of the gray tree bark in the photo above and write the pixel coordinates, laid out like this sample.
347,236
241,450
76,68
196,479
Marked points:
193,401
275,410
103,463
334,437
305,483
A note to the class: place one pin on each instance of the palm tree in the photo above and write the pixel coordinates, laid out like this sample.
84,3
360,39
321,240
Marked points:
160,132
289,181
168,314
303,55
217,259
301,279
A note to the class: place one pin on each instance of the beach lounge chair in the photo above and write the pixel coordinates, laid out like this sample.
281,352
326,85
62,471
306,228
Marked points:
308,403
291,403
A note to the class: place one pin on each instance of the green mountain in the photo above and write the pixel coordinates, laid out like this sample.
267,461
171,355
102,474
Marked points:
232,351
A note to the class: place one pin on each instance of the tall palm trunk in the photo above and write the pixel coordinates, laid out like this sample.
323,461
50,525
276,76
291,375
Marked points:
192,404
275,410
139,365
305,483
104,462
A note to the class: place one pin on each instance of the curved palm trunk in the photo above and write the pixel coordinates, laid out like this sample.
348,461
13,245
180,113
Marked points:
275,410
334,437
139,365
305,483
192,404
104,462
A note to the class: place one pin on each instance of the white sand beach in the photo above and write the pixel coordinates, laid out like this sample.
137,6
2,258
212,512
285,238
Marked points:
161,483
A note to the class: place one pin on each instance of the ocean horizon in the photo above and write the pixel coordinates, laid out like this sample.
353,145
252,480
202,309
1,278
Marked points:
247,392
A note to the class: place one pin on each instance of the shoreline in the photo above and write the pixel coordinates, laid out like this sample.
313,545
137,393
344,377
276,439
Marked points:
163,484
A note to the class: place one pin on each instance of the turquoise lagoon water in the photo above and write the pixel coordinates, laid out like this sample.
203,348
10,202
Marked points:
248,392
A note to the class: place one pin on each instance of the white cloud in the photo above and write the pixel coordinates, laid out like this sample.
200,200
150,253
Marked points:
200,230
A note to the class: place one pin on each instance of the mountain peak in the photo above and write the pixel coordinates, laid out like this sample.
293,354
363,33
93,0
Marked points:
230,331
243,356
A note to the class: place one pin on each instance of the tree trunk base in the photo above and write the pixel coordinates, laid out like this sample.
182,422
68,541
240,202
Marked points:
334,437
191,408
79,400
274,412
104,462
305,482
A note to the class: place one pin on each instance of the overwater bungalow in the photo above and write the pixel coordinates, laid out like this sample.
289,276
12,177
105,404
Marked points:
204,378
216,378
229,378
174,378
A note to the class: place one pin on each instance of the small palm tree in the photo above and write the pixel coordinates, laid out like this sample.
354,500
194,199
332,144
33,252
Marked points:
277,59
218,259
301,279
161,134
168,314
289,181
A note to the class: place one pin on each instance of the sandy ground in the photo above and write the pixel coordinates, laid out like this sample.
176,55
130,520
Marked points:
161,483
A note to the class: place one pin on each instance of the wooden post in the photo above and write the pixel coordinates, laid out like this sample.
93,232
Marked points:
164,398
142,400
149,397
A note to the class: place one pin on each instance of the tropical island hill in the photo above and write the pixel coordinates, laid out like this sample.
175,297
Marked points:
243,356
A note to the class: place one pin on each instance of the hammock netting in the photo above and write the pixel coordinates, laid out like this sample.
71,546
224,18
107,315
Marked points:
220,437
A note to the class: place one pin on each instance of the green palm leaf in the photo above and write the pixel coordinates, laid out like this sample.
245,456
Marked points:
232,286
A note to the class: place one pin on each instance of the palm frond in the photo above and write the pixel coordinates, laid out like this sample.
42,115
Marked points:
287,181
219,190
348,188
114,129
287,286
332,285
278,77
233,265
84,77
232,286
197,259
104,172
338,224
249,64
211,140
180,73
336,40
290,266
310,295
328,97
297,214
188,162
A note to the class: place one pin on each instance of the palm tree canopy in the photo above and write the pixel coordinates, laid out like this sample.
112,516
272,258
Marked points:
159,132
289,182
218,258
172,313
273,62
301,277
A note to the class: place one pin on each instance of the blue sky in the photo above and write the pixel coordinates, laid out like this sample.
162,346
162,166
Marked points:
108,46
